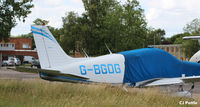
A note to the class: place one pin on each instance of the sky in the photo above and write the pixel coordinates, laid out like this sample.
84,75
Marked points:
170,15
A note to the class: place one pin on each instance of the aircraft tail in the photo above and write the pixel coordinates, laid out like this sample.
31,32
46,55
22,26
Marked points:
49,51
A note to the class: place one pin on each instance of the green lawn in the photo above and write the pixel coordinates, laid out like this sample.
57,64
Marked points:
39,93
26,65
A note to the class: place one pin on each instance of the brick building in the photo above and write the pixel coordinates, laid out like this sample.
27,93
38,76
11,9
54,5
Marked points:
21,43
17,47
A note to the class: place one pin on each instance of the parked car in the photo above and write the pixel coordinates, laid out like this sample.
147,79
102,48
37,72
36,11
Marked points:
17,61
8,62
36,63
28,59
4,63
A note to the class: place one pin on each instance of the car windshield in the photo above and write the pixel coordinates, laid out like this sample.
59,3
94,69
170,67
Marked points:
11,59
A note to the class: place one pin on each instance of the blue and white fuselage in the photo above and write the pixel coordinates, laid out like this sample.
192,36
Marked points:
125,67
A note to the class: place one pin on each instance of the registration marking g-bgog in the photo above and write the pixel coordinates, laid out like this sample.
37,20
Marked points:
101,69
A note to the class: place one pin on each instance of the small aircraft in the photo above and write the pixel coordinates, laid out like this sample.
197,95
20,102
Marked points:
196,56
139,68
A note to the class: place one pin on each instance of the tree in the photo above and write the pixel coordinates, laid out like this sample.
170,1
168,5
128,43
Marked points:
155,36
178,38
55,31
70,30
10,11
191,47
97,13
39,21
120,26
134,26
192,28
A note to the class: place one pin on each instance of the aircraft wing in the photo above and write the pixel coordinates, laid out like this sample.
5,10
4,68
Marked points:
191,37
191,79
147,83
170,81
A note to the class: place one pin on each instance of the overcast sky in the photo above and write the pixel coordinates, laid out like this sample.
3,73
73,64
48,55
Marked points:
170,15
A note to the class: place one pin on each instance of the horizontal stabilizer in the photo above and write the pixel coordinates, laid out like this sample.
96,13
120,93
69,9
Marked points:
47,72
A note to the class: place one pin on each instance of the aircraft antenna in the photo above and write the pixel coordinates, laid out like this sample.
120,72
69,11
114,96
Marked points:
108,49
86,55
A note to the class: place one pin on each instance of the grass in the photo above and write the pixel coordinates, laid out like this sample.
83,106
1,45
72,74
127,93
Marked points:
26,65
25,69
39,93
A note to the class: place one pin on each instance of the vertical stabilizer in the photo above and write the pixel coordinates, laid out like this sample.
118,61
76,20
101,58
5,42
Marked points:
49,51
